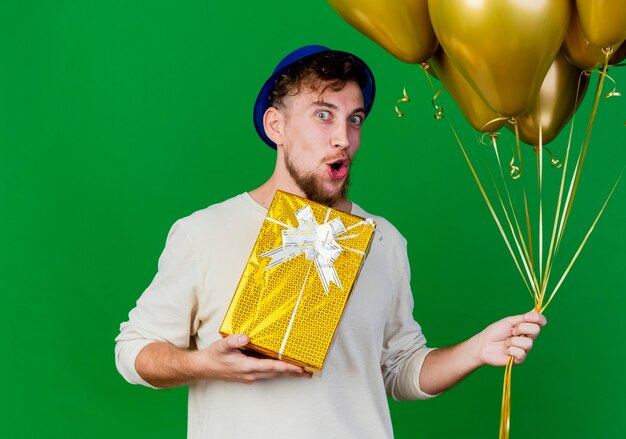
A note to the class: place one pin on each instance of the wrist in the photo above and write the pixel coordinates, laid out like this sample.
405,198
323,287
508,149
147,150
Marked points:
193,365
473,351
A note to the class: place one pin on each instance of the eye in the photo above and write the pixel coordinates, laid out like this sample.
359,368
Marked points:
324,115
356,120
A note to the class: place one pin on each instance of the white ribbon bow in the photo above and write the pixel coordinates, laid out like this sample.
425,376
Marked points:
316,241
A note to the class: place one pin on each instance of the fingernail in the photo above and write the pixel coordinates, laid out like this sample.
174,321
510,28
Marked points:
243,339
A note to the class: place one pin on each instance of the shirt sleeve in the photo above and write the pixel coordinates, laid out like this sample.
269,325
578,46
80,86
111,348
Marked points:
404,348
166,311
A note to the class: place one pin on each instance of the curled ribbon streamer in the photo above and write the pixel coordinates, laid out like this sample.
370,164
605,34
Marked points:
405,98
613,92
515,171
497,119
492,136
318,242
556,163
425,66
439,113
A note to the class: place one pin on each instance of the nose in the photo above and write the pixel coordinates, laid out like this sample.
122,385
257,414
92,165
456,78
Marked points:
340,137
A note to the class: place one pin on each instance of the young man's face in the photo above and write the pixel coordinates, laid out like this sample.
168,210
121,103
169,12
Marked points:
322,132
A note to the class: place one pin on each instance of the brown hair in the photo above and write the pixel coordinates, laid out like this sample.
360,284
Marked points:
333,69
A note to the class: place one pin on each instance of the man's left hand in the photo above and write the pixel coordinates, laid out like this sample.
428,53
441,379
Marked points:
510,337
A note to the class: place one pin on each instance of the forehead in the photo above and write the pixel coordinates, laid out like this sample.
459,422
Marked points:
349,96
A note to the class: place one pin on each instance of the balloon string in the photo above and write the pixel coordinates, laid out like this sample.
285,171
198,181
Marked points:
539,162
514,226
592,117
405,98
523,253
505,411
439,113
569,202
582,244
556,237
531,284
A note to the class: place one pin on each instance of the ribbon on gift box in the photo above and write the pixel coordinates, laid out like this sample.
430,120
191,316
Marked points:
318,242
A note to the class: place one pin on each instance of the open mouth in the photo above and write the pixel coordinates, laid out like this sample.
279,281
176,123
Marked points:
338,169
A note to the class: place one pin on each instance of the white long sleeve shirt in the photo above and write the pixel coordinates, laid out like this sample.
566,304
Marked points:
378,347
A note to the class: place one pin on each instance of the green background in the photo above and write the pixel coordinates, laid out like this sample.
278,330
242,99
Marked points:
118,117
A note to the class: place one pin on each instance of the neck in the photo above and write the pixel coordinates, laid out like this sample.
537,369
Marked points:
264,194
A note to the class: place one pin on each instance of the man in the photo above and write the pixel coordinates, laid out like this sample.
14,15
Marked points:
311,111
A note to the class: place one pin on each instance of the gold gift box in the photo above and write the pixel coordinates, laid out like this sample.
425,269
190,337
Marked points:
297,281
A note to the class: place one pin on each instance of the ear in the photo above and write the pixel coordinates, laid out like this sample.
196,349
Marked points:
273,123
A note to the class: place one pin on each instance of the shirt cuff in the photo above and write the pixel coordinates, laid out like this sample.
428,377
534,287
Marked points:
125,355
408,384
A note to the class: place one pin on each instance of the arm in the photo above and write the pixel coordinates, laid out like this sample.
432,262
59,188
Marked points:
153,346
511,336
163,365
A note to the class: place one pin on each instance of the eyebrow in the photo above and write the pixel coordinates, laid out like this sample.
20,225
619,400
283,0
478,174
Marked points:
334,107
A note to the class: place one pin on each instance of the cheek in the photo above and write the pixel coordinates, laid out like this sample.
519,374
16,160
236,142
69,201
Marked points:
355,140
314,138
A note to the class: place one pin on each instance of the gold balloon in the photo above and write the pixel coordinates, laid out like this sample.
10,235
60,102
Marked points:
401,27
555,104
477,113
578,50
603,21
503,48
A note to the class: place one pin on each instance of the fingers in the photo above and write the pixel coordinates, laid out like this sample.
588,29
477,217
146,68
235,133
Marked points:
535,317
518,354
530,317
528,325
524,343
274,366
518,348
235,341
530,330
252,378
227,361
250,363
531,325
257,369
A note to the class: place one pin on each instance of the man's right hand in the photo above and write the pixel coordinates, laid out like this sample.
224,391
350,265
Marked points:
164,365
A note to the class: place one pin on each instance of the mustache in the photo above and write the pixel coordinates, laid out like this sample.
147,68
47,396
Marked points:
337,158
